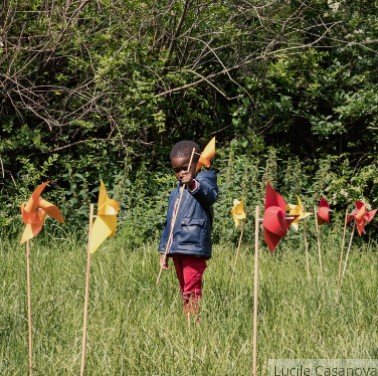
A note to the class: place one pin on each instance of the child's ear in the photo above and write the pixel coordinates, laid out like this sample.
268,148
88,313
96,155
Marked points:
196,158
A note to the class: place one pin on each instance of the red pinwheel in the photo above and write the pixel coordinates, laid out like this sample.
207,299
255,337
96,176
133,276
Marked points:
323,211
275,222
361,216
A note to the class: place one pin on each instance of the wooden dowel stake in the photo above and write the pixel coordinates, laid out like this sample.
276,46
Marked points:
28,294
306,251
239,244
348,251
286,217
255,294
86,296
318,241
342,246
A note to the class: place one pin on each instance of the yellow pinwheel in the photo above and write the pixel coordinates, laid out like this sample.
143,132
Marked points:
106,221
298,211
238,212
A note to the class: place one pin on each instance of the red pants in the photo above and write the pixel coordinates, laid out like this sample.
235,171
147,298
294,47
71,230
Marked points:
189,270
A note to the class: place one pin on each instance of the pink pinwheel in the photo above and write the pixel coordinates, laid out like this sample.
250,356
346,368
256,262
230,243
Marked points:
275,221
361,216
323,211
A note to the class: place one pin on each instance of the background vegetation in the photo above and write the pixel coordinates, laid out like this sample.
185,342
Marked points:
102,89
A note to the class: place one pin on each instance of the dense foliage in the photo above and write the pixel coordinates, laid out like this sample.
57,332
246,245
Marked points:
102,89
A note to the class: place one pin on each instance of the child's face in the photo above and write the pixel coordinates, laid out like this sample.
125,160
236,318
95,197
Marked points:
180,165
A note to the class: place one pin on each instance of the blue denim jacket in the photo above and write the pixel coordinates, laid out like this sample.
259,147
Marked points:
192,231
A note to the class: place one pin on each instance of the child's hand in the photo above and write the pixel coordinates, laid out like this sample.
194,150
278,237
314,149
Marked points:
186,177
164,261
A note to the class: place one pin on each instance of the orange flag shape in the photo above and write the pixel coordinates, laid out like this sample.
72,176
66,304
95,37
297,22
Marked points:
207,155
34,213
106,222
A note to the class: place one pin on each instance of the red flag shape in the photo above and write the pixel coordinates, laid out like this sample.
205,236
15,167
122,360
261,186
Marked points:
275,222
323,211
361,216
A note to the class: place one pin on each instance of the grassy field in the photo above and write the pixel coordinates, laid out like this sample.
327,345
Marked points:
136,328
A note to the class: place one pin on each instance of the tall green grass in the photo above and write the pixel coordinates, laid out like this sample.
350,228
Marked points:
136,328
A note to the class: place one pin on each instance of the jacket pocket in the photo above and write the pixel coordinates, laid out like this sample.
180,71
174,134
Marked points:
192,234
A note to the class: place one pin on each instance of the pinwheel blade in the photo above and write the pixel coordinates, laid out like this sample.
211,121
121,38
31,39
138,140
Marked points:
273,198
30,231
207,155
104,226
323,212
51,209
271,240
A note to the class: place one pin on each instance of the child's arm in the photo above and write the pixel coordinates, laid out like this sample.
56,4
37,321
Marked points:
206,189
203,187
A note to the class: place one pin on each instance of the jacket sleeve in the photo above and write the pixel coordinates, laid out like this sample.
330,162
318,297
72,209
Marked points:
163,239
206,190
165,232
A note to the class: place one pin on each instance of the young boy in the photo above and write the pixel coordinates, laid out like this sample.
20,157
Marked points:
190,243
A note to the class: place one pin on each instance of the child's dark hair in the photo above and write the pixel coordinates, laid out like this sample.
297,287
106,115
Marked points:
184,149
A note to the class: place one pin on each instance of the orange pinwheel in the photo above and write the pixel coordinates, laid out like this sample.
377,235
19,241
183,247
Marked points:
323,211
361,216
207,155
275,222
34,213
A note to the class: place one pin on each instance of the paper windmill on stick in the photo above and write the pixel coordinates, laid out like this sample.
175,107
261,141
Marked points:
361,216
239,216
275,221
207,155
104,226
34,213
298,212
